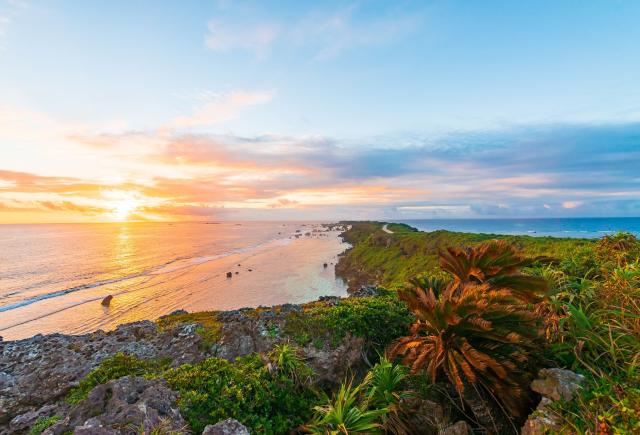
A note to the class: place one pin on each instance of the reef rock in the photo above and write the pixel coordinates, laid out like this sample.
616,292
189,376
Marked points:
124,405
226,427
42,369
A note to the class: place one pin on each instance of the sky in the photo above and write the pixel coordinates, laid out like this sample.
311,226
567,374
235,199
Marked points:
212,110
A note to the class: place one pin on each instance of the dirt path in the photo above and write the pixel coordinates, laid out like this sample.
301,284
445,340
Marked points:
386,230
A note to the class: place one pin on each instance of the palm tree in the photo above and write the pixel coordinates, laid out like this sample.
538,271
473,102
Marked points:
477,329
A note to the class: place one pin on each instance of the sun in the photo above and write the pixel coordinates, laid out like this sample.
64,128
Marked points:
123,208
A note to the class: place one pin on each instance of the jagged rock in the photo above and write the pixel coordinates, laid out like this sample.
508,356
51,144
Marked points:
106,301
365,291
28,419
226,427
459,428
557,384
128,402
41,369
552,384
331,365
542,420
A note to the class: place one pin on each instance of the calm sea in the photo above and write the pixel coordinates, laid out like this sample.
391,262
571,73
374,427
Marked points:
53,277
560,227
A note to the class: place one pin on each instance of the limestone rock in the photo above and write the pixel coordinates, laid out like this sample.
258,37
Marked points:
42,369
552,384
226,427
557,384
25,421
128,402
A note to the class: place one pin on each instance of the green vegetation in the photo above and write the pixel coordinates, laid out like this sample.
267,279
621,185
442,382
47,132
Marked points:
115,367
390,260
595,330
266,401
377,319
43,423
373,406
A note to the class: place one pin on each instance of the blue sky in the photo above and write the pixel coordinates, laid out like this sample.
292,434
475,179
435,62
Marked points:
306,109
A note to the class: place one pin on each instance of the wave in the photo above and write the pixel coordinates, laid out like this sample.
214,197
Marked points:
173,265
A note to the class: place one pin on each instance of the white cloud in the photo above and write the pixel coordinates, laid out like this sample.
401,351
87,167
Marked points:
255,37
332,34
223,107
326,34
571,204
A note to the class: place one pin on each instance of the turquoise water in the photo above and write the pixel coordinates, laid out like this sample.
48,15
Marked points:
558,227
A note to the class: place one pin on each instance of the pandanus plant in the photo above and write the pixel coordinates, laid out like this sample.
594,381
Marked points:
477,329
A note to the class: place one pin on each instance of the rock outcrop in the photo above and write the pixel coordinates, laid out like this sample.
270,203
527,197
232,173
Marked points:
42,369
552,384
124,405
37,373
226,427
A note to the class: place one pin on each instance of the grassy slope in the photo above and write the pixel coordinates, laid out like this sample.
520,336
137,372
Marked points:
390,259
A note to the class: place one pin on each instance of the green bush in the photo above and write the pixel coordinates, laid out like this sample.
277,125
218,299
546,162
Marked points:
373,406
377,319
266,402
115,367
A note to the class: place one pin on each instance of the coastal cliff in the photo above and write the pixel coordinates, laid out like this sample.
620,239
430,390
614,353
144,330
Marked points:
40,376
290,368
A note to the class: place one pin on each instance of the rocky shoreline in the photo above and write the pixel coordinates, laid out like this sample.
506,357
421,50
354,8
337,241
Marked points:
37,373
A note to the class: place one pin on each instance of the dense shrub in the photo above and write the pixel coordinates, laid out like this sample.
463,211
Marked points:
378,320
598,303
267,402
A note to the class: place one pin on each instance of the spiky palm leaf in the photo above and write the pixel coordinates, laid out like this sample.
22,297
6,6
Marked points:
346,414
498,263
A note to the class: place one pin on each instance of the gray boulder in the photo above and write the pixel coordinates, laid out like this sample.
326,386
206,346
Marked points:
226,427
129,403
552,384
557,384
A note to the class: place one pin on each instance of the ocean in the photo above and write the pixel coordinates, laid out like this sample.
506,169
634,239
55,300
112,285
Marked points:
54,277
560,227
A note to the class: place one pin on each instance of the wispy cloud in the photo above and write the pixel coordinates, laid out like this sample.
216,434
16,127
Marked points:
252,36
325,33
333,33
9,10
221,108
